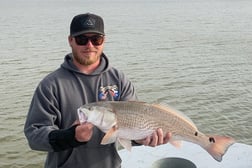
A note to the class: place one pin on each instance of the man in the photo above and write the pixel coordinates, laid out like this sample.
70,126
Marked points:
84,77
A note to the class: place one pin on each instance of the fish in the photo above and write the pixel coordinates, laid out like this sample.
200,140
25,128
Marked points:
124,121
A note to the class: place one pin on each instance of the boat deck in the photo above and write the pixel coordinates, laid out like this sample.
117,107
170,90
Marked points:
238,156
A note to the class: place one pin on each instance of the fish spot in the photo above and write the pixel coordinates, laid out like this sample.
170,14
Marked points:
196,133
211,139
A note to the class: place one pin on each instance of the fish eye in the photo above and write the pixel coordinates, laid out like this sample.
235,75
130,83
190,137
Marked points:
90,108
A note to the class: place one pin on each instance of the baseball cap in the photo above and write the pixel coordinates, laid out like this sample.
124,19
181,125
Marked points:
86,23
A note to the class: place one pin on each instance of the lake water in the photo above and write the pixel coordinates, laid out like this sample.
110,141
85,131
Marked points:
195,55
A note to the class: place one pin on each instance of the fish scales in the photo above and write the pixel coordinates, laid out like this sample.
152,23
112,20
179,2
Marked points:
145,116
135,116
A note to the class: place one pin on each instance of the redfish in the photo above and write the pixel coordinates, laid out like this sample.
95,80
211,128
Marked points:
125,121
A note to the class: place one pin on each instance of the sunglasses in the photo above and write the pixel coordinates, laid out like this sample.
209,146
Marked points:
95,40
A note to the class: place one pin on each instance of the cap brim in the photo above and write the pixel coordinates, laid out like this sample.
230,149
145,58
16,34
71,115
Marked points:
87,31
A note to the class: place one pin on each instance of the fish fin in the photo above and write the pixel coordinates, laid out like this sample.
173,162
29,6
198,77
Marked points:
110,136
218,146
176,143
125,143
171,110
136,101
117,145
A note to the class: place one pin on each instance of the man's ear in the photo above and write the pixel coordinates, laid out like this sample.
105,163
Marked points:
70,40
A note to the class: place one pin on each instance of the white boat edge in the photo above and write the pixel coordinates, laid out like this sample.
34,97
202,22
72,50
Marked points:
238,156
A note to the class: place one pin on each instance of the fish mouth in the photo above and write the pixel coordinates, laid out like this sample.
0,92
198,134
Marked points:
82,116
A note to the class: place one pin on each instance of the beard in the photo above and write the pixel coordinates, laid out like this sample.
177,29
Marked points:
86,60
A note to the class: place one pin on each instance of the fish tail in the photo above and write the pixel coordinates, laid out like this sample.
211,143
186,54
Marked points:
218,146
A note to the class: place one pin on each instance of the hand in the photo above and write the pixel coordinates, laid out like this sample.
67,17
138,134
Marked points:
84,132
156,139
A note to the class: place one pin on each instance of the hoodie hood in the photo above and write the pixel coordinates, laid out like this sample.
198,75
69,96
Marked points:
69,65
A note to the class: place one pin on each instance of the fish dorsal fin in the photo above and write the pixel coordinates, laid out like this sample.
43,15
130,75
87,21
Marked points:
173,111
136,101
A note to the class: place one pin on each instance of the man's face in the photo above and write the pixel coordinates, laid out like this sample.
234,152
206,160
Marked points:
86,48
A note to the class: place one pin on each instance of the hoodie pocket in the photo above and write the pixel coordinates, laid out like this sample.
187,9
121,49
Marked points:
105,157
69,161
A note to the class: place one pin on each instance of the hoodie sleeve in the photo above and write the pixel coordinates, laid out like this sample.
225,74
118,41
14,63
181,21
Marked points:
41,118
127,89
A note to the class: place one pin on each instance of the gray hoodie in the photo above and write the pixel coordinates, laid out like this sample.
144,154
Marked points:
54,106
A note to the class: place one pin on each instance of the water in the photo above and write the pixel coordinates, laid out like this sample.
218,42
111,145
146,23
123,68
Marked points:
192,54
